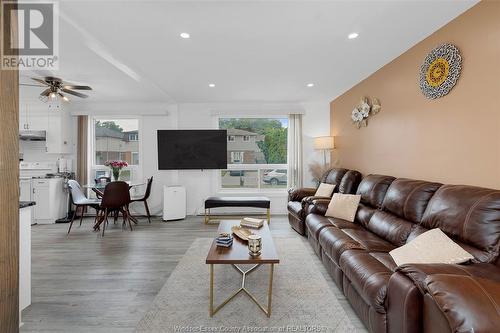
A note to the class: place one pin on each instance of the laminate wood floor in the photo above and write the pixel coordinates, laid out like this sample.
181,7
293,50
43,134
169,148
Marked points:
85,283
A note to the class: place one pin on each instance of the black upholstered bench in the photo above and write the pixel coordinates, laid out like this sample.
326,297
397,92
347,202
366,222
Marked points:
255,202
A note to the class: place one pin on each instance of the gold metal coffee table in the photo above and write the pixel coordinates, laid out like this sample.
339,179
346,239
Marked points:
236,255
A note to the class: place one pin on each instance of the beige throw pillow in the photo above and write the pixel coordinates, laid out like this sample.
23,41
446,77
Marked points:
324,190
431,247
343,206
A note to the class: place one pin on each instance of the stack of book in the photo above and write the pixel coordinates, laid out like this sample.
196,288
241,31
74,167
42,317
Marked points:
251,222
224,240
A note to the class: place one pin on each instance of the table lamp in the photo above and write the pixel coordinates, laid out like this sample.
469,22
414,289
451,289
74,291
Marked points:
324,143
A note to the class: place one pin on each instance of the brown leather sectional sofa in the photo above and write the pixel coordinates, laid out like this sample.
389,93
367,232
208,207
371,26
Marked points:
414,297
345,181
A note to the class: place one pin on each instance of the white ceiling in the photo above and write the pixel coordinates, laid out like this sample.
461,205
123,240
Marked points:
259,51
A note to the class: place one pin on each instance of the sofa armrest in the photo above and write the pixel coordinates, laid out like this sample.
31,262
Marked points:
309,200
404,305
470,304
419,272
297,194
318,206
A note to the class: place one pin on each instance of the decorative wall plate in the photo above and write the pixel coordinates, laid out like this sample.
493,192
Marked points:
440,71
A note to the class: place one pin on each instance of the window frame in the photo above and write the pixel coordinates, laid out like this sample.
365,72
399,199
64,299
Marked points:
259,167
93,167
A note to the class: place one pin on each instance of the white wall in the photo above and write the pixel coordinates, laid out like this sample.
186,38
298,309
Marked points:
201,184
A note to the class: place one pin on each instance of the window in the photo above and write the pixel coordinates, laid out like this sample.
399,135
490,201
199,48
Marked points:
116,139
237,157
260,163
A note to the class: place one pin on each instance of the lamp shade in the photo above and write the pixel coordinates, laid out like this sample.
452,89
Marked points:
324,143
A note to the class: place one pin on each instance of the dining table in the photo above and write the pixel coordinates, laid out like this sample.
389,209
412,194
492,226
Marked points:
99,187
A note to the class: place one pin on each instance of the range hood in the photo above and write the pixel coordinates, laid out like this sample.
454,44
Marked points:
32,135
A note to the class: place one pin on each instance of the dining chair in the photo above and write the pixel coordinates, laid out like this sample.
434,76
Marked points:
100,180
145,197
79,199
116,197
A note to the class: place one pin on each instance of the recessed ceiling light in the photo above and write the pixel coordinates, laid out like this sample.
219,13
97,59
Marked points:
310,85
353,35
211,85
185,35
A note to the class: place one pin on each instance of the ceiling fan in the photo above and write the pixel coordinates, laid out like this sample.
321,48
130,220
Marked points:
55,87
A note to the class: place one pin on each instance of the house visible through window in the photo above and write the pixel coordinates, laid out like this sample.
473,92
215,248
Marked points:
116,139
256,153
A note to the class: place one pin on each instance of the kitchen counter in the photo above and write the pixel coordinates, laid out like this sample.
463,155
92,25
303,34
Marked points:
24,204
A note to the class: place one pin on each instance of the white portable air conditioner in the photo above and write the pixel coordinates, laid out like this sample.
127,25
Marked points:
174,203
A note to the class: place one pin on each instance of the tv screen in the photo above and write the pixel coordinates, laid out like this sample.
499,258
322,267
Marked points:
192,149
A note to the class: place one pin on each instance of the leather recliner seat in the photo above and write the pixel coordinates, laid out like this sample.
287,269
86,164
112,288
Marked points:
345,181
392,212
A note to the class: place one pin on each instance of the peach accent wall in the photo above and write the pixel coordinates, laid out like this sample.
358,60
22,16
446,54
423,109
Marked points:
454,139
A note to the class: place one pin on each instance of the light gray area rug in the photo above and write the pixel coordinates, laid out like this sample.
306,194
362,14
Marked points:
302,299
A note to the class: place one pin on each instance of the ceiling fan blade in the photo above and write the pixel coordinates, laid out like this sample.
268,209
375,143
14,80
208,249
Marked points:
63,97
74,93
40,81
31,85
46,92
72,86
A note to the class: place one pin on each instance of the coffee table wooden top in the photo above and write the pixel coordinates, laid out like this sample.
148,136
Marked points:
238,252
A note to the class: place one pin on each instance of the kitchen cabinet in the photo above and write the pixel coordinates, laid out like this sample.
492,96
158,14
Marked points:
51,199
52,118
41,195
59,131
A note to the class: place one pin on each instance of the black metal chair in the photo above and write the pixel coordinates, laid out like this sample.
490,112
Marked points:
145,197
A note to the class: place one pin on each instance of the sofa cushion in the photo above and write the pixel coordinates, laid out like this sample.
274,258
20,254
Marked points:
343,206
314,224
408,198
335,241
349,183
373,188
334,176
369,277
343,224
431,247
403,206
364,214
468,214
390,227
369,240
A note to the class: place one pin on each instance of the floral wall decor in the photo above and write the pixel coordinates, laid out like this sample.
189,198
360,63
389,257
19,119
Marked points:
440,71
364,110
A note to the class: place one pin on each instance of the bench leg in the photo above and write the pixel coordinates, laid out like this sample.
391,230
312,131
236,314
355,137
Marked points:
269,216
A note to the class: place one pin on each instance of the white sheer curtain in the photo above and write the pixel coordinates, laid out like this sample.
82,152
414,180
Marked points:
295,150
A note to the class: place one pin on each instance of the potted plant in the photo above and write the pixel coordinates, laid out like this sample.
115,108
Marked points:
116,167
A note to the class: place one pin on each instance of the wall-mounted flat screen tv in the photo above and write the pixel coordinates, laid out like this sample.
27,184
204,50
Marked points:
192,149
